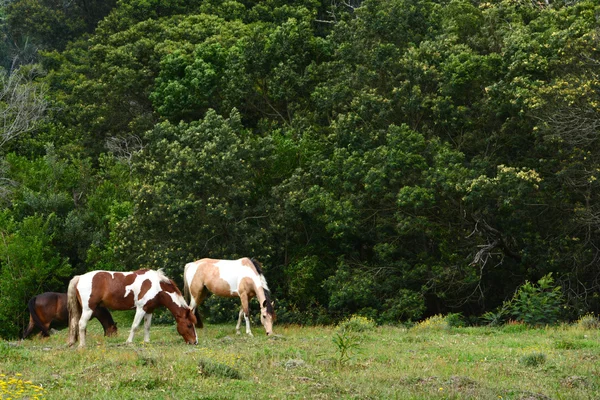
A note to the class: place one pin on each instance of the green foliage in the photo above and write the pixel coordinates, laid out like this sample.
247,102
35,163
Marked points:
210,368
436,322
357,323
534,359
29,265
588,321
537,304
532,304
51,24
346,343
388,159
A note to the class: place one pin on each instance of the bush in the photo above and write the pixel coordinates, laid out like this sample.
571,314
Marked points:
533,359
436,323
29,265
207,368
588,322
532,304
455,320
357,323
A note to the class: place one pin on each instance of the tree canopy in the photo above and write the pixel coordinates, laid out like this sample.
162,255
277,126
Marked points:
394,159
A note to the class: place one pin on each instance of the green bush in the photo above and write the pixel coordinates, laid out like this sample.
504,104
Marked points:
533,359
537,304
208,367
532,304
588,322
357,323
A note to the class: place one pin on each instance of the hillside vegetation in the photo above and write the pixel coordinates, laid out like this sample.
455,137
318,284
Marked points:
394,159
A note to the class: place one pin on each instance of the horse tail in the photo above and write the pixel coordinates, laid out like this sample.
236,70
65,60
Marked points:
74,310
36,317
186,289
266,290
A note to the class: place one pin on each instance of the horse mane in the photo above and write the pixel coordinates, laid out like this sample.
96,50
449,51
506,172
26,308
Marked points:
161,276
265,287
257,265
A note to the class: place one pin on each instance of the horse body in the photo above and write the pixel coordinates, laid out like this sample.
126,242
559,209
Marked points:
143,290
51,307
241,278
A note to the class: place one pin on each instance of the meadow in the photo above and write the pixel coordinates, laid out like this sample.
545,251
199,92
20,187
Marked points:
427,361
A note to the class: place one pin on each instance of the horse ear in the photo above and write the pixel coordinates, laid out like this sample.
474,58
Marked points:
273,303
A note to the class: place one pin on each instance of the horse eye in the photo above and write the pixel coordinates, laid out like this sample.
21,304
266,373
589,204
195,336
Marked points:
189,325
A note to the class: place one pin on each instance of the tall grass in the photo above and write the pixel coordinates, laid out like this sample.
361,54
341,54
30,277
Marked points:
300,362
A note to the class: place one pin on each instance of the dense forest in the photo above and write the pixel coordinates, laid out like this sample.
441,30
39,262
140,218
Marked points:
388,158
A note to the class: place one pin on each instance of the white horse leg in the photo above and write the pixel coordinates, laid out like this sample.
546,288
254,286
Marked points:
139,314
245,309
85,317
239,323
247,324
147,321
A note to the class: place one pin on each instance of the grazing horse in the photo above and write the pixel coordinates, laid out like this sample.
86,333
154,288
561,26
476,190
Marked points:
241,278
143,290
51,307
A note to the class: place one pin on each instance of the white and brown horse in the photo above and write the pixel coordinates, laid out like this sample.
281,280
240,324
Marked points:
143,290
241,278
51,308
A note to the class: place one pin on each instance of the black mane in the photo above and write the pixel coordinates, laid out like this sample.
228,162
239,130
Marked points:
257,265
269,303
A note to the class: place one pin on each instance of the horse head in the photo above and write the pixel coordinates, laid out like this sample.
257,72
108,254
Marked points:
111,330
267,316
186,326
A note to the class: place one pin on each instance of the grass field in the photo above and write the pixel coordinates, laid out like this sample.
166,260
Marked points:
424,362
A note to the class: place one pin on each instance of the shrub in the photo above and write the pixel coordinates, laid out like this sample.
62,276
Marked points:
207,368
532,304
435,323
357,323
455,320
537,304
533,359
588,322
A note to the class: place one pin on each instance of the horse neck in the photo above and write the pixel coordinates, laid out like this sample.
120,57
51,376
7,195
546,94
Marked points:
166,300
260,295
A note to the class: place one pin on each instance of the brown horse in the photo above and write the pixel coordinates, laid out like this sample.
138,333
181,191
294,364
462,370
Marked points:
143,290
241,278
51,307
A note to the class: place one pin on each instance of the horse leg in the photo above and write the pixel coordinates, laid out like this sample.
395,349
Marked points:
147,321
139,314
86,314
30,327
245,310
239,323
195,302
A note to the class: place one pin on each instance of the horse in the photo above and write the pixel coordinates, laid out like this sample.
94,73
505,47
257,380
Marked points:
143,290
51,307
241,278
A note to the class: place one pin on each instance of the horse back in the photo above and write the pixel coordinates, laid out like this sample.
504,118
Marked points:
223,277
108,289
51,306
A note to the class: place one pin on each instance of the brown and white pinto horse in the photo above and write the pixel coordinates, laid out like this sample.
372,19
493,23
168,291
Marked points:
51,307
143,290
241,278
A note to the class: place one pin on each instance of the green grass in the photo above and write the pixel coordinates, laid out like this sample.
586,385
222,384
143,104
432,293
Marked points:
302,362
